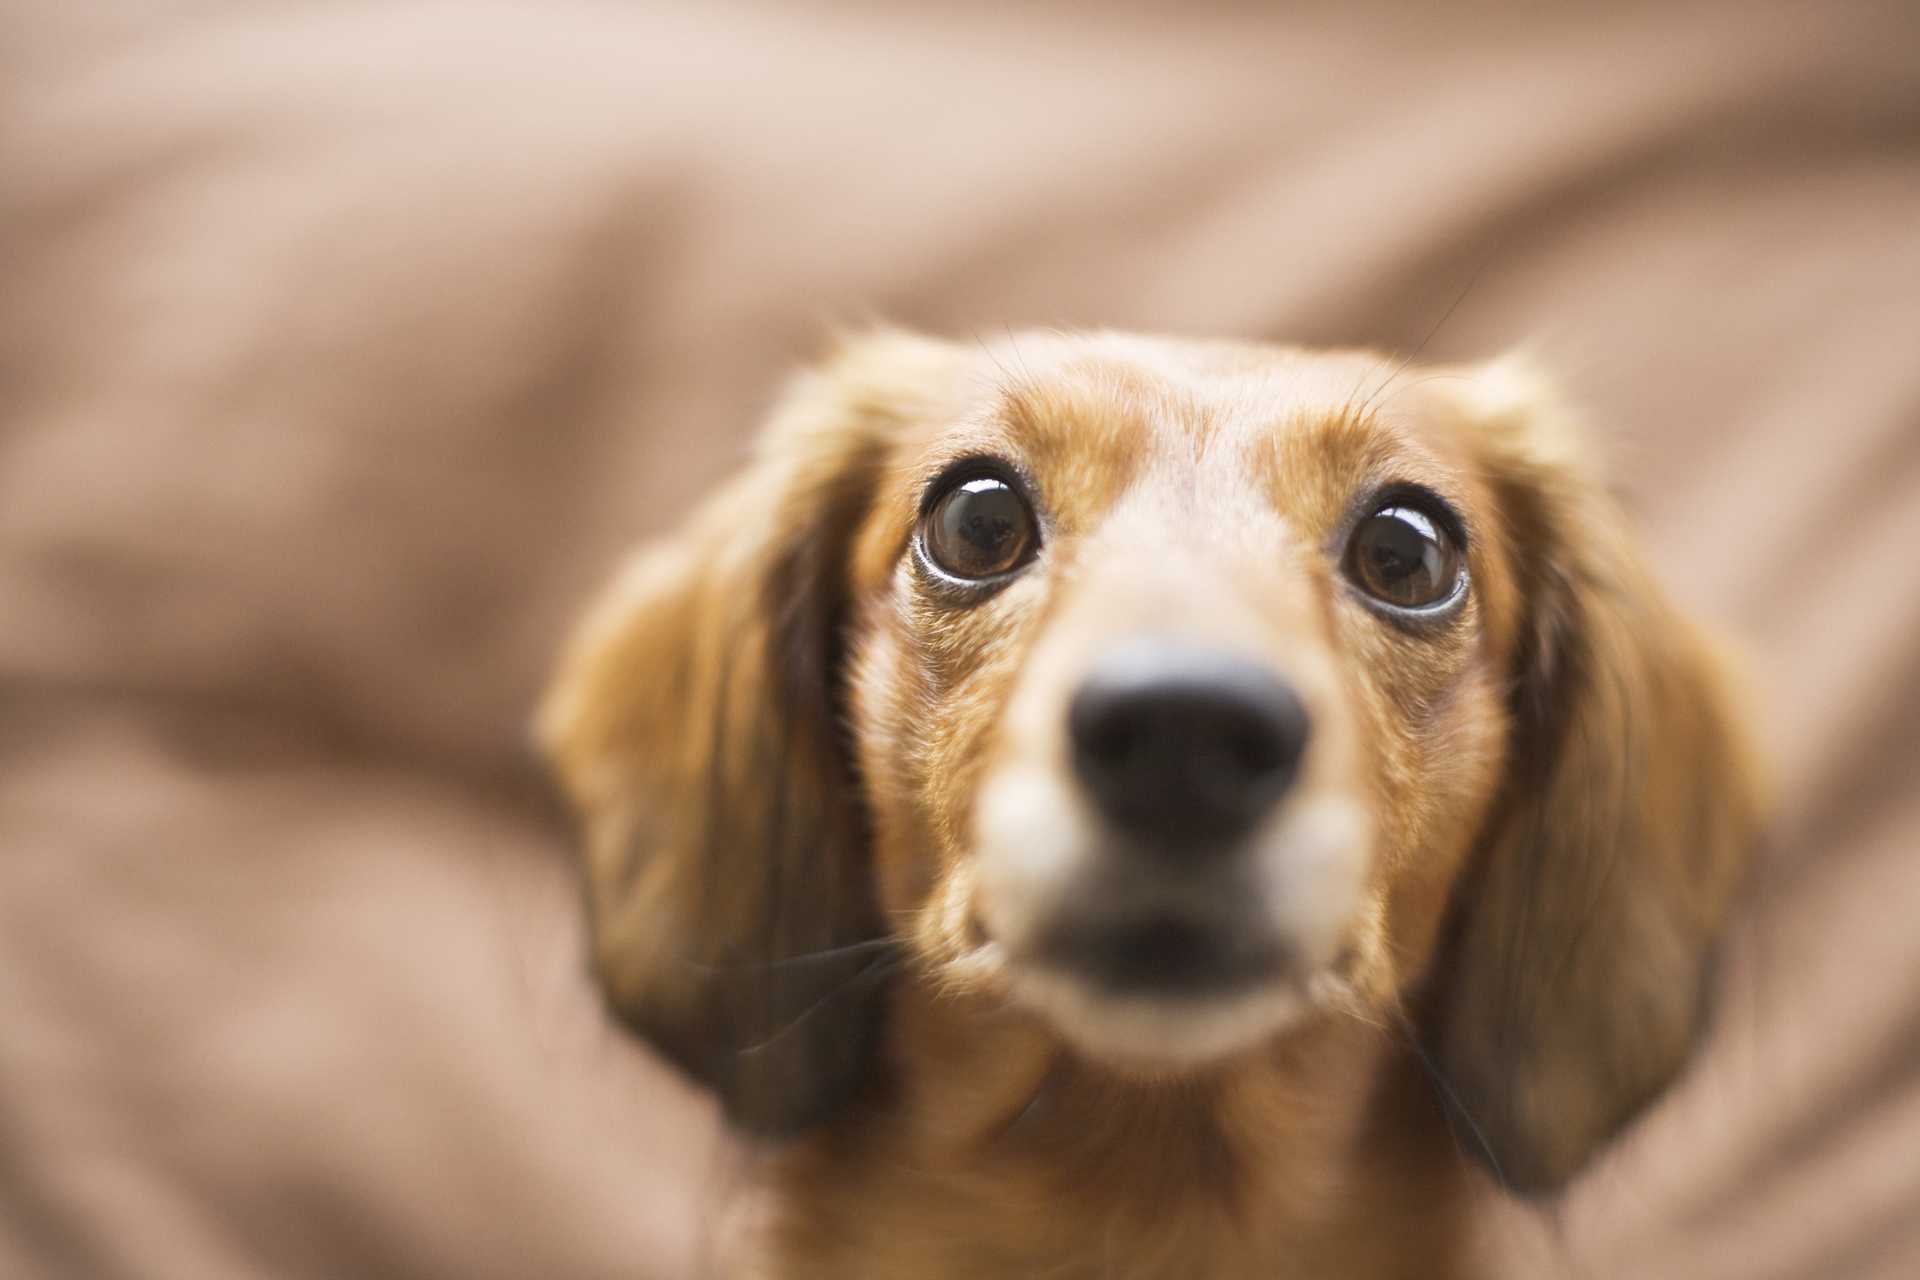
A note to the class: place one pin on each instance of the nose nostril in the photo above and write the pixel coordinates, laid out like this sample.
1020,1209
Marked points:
1254,753
1111,743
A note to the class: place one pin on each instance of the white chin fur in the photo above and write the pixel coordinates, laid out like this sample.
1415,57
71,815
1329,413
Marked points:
1158,1035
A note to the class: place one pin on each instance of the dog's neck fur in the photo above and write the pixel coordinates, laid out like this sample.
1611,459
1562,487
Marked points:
991,1153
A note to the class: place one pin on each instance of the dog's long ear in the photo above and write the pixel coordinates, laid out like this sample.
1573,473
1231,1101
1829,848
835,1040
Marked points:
695,726
1577,969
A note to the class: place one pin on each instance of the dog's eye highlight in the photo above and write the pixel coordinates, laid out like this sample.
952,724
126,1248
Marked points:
979,528
1402,555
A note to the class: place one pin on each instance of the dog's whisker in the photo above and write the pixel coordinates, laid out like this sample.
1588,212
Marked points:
872,971
792,962
1446,315
986,350
1449,1096
1411,383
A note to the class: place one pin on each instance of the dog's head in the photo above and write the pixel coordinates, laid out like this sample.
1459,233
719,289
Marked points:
1180,694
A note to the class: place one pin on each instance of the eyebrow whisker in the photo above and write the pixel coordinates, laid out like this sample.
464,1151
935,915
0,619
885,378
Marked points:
1372,402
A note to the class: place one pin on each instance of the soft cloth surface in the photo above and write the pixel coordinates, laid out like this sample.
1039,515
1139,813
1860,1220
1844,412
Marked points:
343,348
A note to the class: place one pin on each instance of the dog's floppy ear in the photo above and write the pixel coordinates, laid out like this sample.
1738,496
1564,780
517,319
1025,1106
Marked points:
1577,969
695,726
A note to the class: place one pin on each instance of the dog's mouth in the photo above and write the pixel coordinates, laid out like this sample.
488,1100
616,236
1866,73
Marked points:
1136,954
1161,1026
1163,992
1168,956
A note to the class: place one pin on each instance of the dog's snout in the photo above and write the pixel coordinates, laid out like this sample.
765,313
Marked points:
1185,748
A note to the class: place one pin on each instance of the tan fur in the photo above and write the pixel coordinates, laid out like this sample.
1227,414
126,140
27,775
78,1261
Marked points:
779,745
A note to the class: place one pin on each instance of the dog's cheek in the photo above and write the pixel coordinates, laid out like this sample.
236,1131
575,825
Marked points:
1462,750
954,726
1433,728
959,743
925,688
880,690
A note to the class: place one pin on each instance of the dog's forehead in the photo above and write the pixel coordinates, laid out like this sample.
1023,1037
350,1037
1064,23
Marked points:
1089,415
1196,384
1057,393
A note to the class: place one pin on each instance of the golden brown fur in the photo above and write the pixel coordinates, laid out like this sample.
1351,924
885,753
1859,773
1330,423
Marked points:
794,767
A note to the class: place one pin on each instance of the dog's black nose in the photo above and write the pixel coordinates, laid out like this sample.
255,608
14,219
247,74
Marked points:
1184,748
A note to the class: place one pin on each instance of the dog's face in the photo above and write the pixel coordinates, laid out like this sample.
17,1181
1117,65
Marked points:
1177,687
1179,695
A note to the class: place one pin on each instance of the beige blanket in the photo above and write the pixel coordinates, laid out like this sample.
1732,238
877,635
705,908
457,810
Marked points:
344,346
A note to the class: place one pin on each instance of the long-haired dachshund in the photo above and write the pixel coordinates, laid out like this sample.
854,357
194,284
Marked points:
1116,806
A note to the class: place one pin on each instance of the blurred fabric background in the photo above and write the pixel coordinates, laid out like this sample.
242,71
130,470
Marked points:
344,347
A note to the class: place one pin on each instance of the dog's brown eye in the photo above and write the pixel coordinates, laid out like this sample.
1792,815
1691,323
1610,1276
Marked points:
1404,557
979,528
